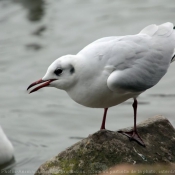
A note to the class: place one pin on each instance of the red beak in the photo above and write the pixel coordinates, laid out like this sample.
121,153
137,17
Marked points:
47,82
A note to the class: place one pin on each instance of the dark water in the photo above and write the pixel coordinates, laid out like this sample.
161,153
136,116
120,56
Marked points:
35,33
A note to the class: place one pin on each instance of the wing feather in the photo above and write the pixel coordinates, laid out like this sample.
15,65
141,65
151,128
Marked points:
148,62
138,62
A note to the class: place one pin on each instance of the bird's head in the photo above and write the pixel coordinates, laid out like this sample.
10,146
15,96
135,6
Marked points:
60,74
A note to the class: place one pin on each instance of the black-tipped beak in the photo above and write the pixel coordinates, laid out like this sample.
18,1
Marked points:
47,82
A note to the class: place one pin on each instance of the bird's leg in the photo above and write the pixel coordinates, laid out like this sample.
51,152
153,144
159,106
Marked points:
104,119
133,135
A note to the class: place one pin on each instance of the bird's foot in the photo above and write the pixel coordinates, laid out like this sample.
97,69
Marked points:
133,135
102,128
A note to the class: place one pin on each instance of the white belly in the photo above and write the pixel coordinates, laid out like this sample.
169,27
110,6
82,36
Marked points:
100,98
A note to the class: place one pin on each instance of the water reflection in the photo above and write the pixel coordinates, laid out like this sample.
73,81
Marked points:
35,8
39,31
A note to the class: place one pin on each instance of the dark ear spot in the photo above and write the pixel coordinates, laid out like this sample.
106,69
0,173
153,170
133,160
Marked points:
72,70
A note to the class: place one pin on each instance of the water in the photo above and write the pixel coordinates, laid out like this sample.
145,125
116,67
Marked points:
35,33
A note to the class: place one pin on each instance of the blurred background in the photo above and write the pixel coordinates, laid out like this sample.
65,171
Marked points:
33,33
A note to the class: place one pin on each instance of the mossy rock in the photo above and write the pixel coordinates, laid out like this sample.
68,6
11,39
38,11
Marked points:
104,149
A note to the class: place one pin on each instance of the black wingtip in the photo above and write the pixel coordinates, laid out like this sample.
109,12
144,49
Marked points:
174,27
172,58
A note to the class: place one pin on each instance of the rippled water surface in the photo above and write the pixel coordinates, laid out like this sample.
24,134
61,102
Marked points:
35,33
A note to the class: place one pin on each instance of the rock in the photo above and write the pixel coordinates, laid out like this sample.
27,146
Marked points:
105,148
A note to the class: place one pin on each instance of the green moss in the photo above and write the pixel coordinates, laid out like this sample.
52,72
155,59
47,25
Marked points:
104,149
87,161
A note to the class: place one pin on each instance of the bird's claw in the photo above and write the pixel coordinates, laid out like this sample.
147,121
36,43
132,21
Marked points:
133,135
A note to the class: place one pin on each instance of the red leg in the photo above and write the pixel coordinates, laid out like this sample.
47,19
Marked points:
134,105
104,119
133,135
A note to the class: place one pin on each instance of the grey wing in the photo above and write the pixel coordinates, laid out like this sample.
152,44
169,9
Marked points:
138,78
138,61
145,61
139,75
143,71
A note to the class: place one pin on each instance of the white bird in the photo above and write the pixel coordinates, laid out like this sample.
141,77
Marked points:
6,149
114,69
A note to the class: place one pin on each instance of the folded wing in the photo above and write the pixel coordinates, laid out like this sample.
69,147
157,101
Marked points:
143,59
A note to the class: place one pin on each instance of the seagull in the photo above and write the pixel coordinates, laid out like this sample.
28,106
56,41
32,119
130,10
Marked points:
113,69
6,149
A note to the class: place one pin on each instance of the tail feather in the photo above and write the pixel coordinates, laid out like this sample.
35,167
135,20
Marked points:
159,30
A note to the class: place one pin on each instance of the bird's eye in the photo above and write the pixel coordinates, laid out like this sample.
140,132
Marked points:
58,71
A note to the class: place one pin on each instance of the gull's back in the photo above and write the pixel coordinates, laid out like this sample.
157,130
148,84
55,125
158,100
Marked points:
137,62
